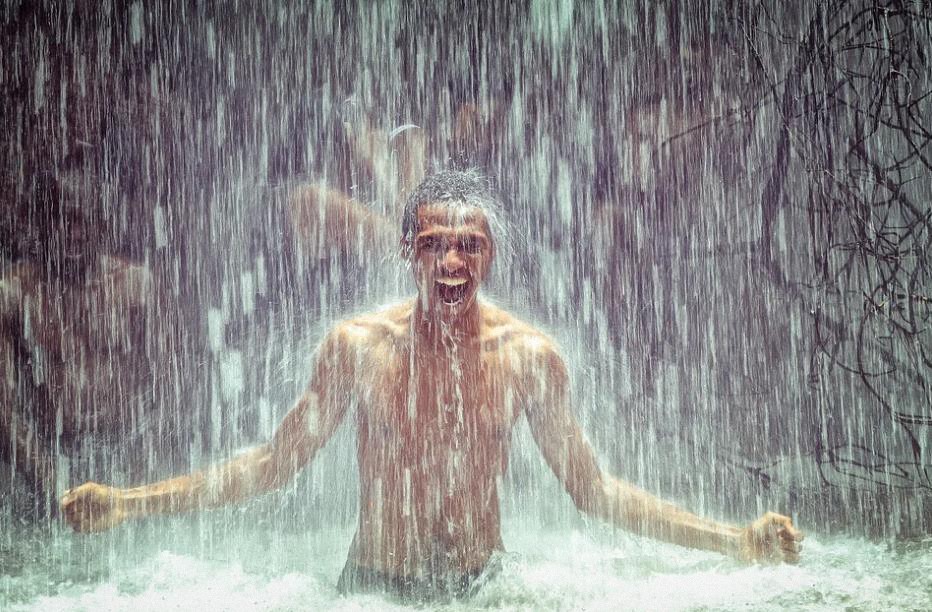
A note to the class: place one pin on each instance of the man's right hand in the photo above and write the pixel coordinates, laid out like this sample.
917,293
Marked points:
93,507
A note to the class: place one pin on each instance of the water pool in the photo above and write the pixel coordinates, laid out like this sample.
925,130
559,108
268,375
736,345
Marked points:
213,562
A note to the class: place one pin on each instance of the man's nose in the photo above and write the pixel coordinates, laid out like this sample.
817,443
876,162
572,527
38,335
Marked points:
452,260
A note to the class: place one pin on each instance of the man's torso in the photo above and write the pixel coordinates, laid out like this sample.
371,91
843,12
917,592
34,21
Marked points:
434,429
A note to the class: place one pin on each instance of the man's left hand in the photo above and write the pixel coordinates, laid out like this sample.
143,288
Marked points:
771,539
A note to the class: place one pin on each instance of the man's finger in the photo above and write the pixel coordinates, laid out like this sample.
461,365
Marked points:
791,546
788,532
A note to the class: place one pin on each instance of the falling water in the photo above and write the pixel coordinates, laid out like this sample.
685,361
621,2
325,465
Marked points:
719,211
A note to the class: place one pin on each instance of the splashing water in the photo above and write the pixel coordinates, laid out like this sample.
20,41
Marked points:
552,568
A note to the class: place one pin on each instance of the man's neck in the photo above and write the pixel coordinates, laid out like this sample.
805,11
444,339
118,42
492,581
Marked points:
432,331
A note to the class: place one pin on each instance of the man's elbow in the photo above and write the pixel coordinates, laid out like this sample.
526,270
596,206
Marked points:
276,471
593,499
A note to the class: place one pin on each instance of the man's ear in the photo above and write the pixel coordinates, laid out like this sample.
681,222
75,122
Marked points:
405,249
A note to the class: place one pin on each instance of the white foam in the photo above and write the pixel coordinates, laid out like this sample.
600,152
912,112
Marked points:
546,569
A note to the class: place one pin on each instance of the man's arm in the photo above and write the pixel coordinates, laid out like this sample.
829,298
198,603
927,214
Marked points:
323,216
572,459
305,430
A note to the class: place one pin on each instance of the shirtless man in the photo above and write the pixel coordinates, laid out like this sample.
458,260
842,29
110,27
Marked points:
69,328
84,360
329,216
437,384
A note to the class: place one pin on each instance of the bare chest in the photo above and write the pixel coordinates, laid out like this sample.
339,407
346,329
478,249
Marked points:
426,413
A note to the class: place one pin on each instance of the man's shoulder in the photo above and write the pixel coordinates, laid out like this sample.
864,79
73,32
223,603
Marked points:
390,322
507,330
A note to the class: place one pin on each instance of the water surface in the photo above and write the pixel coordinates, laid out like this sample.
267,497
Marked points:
196,563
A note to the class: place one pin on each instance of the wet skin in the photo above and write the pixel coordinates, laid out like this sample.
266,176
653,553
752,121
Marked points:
438,384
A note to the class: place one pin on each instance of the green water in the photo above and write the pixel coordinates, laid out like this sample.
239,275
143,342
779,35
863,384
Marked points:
228,561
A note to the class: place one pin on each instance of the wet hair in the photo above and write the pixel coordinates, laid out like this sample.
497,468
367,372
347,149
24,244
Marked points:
458,188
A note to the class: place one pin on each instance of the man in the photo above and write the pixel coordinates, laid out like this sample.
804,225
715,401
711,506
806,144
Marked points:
95,348
438,383
70,315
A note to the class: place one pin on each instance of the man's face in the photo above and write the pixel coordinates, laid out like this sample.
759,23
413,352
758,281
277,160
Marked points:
451,253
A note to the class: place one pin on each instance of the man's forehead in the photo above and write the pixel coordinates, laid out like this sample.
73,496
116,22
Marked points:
452,215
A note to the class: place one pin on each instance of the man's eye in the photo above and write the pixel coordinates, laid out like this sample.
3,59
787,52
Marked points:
470,246
428,244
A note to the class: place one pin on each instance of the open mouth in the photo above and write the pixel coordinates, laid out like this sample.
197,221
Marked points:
452,290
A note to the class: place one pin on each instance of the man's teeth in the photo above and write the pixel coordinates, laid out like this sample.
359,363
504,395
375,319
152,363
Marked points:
451,282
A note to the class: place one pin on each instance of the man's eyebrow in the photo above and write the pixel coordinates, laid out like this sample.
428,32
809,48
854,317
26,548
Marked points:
470,233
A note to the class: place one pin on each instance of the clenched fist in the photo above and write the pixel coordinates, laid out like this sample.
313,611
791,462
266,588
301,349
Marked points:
771,539
93,507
